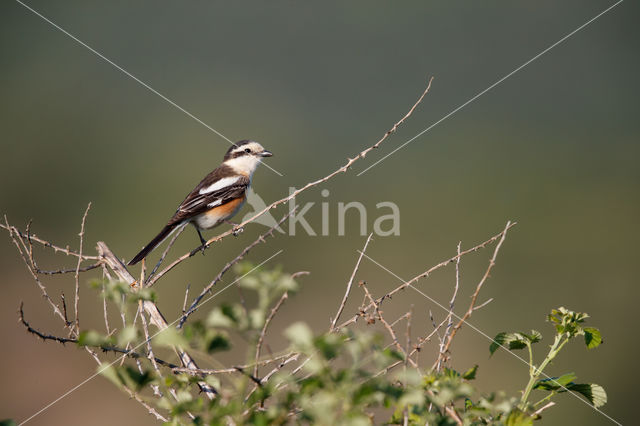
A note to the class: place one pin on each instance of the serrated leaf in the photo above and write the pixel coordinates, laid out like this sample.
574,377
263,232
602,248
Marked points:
593,392
592,337
555,383
508,340
470,374
534,337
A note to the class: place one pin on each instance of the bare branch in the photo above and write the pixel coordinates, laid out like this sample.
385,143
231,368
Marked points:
142,402
348,290
384,322
427,273
77,274
152,310
273,312
474,297
15,237
33,237
234,369
447,331
105,348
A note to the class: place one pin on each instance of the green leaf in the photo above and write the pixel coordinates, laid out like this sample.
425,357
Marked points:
134,378
126,375
109,371
300,334
592,337
450,372
8,422
518,418
470,374
93,338
593,392
217,318
127,335
534,337
170,337
555,383
508,340
145,294
218,342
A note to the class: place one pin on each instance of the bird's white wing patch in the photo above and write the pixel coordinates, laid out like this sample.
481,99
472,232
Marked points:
215,203
222,183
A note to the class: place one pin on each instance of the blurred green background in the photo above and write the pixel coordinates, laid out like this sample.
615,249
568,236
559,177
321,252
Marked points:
554,147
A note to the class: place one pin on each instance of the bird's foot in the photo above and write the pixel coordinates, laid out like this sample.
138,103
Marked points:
236,228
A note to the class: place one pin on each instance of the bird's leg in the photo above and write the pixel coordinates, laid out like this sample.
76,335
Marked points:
237,230
202,241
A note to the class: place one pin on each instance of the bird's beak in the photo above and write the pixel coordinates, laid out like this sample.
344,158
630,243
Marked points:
266,154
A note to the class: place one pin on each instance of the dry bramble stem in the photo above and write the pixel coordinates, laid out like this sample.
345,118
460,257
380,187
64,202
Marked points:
348,290
474,298
428,272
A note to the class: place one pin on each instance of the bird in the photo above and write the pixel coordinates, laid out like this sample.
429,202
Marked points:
217,198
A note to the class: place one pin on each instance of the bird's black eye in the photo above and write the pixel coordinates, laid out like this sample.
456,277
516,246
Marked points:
247,150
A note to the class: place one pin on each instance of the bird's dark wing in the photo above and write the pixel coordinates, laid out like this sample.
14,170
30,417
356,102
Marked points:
216,189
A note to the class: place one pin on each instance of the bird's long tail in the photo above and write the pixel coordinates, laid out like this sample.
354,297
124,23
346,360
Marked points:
166,231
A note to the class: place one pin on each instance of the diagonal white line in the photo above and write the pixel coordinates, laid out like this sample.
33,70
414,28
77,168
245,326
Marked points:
482,333
142,83
76,387
492,86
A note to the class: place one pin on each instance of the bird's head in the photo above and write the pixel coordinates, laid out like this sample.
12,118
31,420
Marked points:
244,156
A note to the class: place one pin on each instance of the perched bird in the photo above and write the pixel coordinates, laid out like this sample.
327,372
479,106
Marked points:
217,197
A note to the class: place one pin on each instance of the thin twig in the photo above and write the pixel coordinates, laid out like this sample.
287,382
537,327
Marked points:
474,297
142,402
15,234
447,331
105,348
348,290
428,272
384,322
234,369
186,296
76,303
33,237
408,332
263,332
544,407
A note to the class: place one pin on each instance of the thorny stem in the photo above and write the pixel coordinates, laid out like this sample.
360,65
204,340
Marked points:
534,373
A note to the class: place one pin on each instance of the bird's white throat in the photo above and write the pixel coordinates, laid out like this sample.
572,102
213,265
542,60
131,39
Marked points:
245,165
